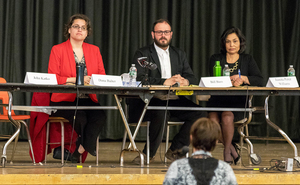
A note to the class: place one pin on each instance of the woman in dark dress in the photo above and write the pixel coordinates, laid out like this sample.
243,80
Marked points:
233,44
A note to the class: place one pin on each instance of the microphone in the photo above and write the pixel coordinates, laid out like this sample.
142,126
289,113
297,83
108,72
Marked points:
144,63
151,66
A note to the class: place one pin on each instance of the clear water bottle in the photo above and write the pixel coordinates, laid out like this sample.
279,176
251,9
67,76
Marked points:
291,71
132,75
226,70
217,69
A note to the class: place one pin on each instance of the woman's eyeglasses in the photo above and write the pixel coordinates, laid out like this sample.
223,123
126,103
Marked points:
83,28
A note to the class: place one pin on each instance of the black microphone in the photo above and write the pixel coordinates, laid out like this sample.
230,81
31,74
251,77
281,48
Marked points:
151,66
144,63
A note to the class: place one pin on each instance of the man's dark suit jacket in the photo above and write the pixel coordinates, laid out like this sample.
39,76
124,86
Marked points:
179,65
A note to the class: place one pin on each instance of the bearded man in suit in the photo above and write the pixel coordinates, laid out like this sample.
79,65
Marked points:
172,68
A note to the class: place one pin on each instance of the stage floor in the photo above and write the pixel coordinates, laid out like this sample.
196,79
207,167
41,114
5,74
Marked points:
22,171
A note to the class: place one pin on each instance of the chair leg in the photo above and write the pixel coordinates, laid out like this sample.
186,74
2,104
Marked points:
97,150
14,148
124,140
29,140
148,144
167,141
241,143
47,141
62,141
248,147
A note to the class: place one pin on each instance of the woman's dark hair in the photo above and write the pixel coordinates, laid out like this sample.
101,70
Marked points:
205,134
161,21
240,36
71,21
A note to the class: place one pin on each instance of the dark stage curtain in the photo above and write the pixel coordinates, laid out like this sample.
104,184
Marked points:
272,28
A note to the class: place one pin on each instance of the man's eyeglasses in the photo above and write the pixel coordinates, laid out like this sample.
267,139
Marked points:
77,27
167,32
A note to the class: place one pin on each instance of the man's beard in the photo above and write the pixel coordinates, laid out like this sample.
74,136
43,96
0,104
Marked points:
159,44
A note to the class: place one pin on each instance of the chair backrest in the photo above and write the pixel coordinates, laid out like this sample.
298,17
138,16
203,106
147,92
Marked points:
5,98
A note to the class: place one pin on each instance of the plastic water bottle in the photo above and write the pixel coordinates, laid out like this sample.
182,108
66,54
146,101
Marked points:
291,71
217,69
226,70
132,75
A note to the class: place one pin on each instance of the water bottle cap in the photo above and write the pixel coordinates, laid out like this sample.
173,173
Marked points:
226,65
291,66
132,64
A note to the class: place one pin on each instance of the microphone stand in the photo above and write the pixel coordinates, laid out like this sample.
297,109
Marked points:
145,80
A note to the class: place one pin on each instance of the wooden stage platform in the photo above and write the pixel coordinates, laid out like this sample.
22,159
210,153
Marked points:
22,171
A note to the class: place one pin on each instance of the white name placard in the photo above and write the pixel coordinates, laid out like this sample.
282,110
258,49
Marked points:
106,80
219,81
40,78
286,81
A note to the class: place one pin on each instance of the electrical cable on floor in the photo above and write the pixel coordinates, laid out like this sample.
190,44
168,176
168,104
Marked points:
165,122
277,166
245,112
73,126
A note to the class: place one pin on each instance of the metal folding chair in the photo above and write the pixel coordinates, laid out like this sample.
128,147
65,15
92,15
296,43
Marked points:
62,121
4,96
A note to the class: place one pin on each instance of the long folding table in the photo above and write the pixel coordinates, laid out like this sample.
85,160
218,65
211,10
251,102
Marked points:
146,94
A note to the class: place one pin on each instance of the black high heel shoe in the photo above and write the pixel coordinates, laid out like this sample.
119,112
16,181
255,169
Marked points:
76,156
236,159
237,149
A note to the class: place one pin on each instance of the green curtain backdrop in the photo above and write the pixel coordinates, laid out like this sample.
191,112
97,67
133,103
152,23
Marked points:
28,30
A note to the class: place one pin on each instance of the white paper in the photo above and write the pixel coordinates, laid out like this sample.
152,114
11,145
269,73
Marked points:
40,78
106,80
284,82
220,81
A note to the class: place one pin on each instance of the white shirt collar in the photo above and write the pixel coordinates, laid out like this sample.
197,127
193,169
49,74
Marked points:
161,51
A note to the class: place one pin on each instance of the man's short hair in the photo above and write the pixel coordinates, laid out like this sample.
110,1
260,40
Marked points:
205,134
161,21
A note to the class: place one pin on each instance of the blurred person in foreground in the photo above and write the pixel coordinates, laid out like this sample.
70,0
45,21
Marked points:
201,167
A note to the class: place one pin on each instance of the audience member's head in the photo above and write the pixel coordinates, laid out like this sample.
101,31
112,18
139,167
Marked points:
205,134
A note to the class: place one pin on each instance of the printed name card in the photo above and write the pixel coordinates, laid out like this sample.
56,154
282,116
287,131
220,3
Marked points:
220,81
287,82
106,80
40,78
